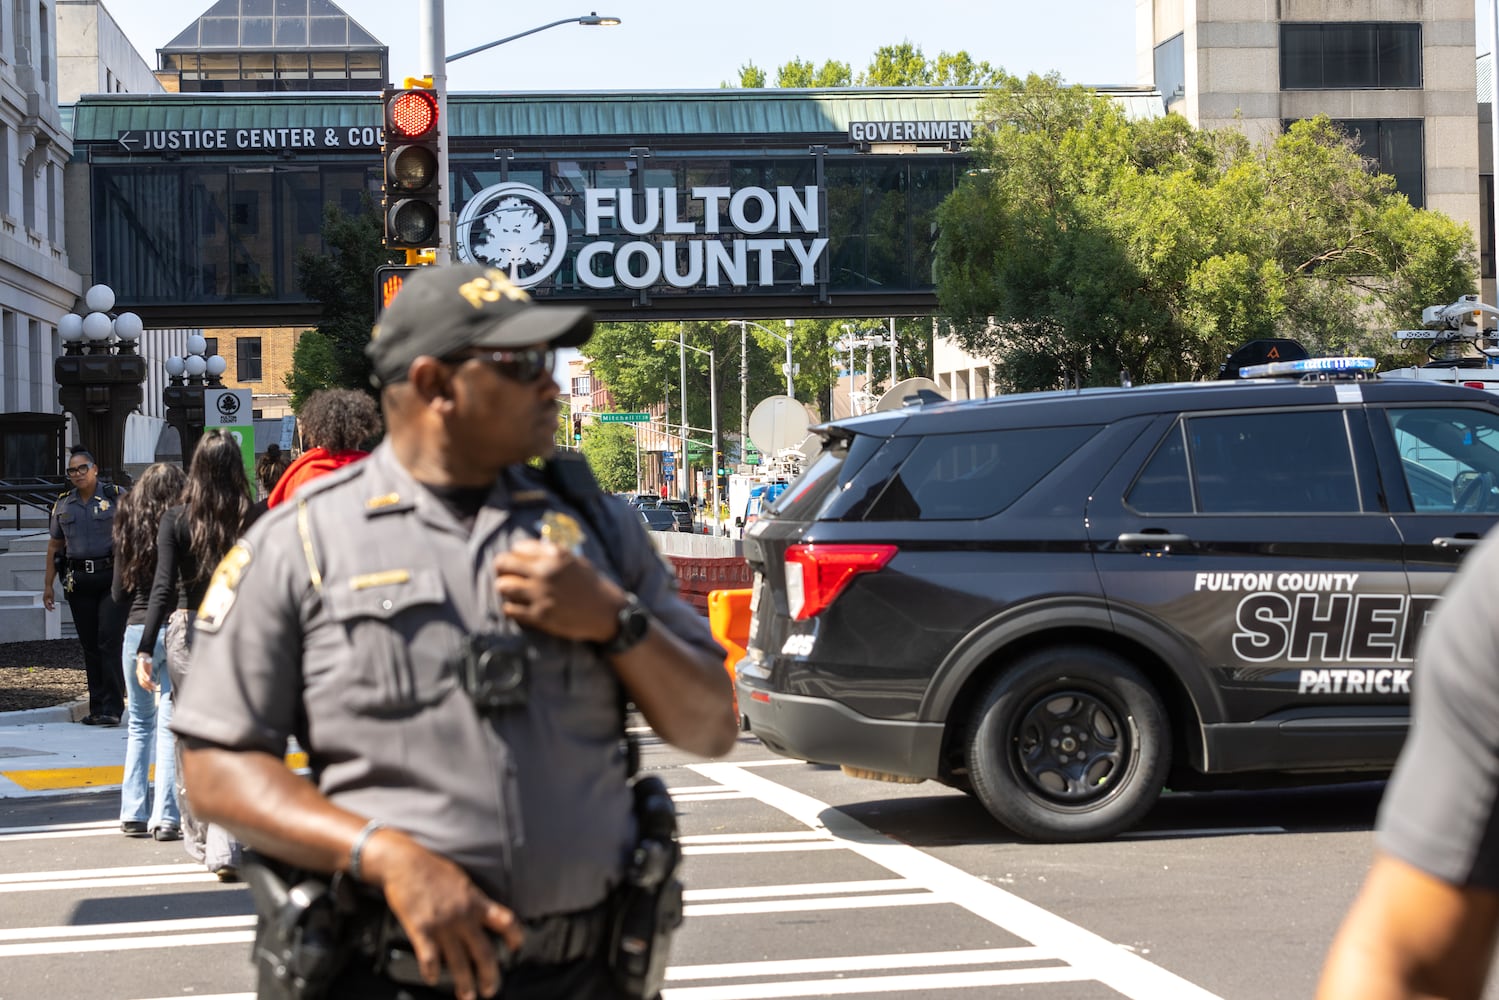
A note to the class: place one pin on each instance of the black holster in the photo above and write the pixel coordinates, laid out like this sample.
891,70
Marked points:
648,910
302,930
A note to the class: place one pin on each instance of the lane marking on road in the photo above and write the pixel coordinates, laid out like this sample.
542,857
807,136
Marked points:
133,927
715,797
696,789
1220,831
799,889
751,838
141,943
90,873
103,824
818,903
855,963
1092,956
113,830
918,985
84,778
110,883
805,845
216,996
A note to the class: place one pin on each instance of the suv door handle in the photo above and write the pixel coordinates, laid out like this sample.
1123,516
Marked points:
1151,539
1455,543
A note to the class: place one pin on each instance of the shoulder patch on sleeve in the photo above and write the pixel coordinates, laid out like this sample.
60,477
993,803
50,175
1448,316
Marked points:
222,588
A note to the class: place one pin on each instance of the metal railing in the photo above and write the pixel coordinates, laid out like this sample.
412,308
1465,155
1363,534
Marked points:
38,492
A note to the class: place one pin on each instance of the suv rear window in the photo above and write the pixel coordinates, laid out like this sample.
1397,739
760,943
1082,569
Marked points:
959,477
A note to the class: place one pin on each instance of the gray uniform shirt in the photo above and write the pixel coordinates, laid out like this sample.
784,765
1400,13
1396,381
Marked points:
86,525
534,804
1440,812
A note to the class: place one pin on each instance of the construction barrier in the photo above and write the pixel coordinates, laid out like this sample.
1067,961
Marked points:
697,576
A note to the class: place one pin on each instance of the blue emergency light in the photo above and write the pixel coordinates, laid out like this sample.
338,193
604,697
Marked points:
1308,366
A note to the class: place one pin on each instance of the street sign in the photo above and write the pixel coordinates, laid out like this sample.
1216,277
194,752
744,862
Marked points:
624,418
226,407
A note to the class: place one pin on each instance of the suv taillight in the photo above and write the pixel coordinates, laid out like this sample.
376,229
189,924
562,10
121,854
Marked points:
817,574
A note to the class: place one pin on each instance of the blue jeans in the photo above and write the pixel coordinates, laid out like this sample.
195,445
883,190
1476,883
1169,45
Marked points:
148,723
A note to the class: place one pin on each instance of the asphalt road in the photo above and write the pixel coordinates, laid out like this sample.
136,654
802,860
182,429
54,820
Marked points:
801,882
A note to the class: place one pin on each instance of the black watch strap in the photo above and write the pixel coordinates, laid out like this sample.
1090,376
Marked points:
634,621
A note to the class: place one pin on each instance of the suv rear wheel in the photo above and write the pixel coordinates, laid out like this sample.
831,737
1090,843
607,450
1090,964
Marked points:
1069,743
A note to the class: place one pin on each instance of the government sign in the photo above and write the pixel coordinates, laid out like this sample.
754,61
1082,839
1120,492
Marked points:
910,131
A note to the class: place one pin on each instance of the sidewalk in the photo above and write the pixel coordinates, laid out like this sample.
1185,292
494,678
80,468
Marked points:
46,752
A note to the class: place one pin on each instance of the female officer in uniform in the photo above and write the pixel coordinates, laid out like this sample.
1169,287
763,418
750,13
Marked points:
81,528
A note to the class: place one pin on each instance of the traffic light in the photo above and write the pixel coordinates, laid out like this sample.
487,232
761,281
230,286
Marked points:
412,181
577,426
388,280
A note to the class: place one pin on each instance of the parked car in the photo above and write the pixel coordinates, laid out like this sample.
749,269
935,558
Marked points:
1063,602
657,519
643,499
681,509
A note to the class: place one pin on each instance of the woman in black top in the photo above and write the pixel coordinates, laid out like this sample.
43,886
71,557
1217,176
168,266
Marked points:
194,536
147,718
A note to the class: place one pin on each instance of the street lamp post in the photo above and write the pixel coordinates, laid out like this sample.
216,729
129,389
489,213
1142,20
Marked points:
434,63
100,385
190,378
683,347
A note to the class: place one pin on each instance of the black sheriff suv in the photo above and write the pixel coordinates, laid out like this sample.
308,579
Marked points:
1064,602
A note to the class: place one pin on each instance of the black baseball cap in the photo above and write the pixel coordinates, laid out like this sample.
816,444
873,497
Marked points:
441,310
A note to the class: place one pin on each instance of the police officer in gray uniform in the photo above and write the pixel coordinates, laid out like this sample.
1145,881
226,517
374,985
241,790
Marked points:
1427,919
81,542
451,637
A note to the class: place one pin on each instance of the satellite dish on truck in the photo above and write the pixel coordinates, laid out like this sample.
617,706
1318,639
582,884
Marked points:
777,423
895,397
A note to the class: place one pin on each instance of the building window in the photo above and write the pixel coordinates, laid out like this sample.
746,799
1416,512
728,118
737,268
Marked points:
1346,56
1486,226
247,359
1171,70
583,385
212,348
21,24
1397,147
44,43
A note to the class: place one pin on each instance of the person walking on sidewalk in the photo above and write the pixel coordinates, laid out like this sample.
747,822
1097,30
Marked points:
81,543
193,537
147,716
337,424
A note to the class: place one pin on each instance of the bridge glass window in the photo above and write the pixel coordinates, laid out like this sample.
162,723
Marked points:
247,359
257,31
291,31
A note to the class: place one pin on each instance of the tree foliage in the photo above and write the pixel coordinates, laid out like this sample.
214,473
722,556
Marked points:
902,65
610,450
341,278
1082,244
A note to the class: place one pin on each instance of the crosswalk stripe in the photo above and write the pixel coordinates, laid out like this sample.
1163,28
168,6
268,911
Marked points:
818,903
854,963
88,873
141,943
918,985
174,926
799,889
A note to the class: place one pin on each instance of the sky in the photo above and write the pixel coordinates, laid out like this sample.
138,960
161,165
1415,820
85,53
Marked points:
691,44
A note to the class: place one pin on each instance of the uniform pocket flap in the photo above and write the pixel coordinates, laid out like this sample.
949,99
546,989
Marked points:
382,594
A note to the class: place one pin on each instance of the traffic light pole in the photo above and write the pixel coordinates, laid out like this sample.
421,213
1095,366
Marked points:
434,64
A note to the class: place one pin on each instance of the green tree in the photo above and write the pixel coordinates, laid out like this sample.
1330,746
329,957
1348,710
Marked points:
803,73
1083,245
610,450
905,65
341,277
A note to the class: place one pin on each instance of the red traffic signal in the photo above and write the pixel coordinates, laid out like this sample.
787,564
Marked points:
410,114
412,174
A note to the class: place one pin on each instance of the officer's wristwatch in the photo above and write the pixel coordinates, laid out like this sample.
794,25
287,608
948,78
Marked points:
634,620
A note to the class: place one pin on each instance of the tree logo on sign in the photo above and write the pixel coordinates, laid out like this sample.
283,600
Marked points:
228,404
515,228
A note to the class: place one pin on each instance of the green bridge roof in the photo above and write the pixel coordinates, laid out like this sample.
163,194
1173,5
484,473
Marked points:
101,117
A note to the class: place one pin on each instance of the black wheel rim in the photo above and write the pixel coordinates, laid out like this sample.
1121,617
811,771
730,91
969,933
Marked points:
1071,747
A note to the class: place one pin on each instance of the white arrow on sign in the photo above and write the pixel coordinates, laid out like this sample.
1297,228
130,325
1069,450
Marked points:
128,139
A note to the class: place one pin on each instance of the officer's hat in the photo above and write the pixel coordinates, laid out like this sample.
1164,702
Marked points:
440,311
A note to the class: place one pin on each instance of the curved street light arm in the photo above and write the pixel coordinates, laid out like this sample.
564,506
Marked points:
592,18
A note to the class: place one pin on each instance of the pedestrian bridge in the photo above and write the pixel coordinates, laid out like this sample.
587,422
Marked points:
670,205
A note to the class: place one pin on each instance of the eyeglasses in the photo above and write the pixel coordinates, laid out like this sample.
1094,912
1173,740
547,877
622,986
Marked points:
78,470
524,367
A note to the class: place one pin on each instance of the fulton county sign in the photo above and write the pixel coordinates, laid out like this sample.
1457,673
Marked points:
703,237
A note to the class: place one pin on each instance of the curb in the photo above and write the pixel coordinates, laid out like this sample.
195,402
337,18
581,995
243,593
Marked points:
70,712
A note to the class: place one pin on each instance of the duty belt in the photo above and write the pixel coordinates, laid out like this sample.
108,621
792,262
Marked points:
98,565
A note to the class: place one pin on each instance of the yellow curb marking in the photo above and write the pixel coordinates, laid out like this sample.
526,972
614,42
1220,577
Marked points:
94,777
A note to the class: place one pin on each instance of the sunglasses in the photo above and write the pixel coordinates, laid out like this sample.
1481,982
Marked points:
524,367
78,470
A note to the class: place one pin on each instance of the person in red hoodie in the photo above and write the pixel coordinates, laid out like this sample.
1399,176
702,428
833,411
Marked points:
336,424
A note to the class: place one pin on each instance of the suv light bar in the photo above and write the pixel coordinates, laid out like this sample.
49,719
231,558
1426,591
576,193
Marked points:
1308,366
